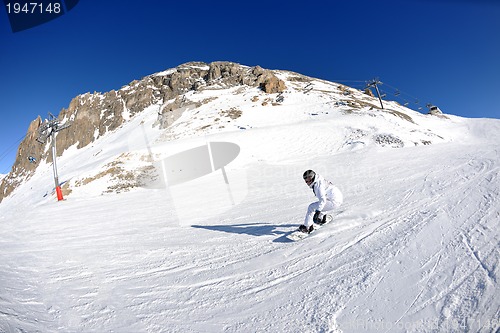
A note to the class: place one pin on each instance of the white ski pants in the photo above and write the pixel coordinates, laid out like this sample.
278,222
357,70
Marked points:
329,207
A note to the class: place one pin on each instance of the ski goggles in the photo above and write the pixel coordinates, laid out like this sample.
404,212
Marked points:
308,180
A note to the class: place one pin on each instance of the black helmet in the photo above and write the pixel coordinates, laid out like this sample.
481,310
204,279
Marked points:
309,176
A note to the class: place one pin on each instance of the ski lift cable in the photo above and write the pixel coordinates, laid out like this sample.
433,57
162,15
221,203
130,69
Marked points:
402,92
7,151
407,98
339,81
404,99
397,93
10,148
356,84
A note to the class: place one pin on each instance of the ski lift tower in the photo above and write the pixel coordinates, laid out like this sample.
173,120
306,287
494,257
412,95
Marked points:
50,128
374,83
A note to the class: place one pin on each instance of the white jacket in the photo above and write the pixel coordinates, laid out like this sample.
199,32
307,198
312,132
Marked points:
326,191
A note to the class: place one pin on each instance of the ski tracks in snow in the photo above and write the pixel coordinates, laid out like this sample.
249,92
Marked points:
439,219
416,249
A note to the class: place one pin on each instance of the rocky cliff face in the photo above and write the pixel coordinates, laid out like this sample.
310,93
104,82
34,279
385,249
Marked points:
93,115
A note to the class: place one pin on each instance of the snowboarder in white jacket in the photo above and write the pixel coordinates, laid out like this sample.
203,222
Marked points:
329,196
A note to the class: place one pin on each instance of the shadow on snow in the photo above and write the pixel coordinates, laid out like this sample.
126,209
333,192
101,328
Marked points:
252,229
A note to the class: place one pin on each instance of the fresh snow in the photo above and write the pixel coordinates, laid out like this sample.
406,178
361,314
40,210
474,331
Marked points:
414,248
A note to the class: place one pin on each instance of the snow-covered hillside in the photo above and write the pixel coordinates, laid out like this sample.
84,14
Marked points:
415,247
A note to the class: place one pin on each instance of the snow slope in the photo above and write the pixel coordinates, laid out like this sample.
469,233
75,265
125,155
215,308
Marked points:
415,248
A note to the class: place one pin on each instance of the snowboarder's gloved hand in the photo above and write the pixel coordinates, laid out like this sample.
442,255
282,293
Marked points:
316,218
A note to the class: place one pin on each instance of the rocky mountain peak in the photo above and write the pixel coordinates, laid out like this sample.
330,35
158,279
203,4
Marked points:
92,115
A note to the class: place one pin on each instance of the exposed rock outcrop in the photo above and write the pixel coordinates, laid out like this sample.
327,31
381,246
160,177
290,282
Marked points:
94,114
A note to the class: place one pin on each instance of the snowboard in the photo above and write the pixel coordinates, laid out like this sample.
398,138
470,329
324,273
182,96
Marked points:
299,235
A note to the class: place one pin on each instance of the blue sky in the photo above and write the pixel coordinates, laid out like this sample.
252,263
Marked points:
443,52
